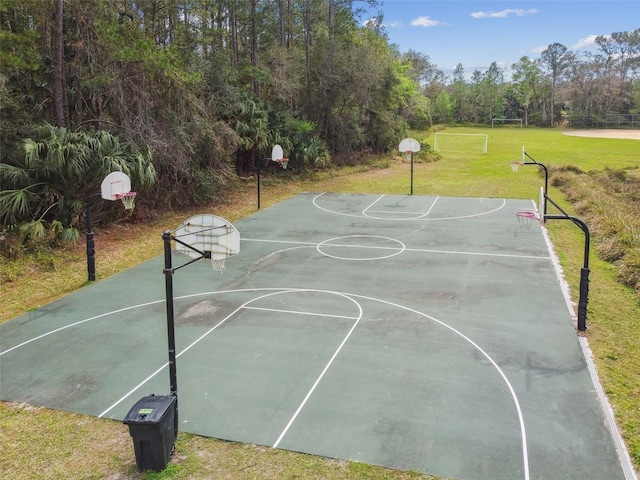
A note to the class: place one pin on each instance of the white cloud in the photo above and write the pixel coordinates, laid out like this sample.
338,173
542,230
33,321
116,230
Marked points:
587,42
519,12
369,22
394,24
582,44
424,22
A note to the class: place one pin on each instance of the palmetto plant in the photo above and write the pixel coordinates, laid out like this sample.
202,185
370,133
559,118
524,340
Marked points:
313,153
45,190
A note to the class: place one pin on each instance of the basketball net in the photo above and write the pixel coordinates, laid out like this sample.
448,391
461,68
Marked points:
217,264
128,200
525,218
284,162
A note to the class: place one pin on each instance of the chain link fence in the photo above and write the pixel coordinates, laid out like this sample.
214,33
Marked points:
610,120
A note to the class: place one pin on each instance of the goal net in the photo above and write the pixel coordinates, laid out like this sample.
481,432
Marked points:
461,142
500,122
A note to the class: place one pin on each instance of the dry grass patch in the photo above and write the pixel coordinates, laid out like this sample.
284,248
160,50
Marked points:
609,200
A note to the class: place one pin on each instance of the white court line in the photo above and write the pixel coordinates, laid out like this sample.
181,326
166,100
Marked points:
195,342
416,215
327,245
313,244
275,291
319,379
418,250
133,390
363,214
76,324
478,254
523,435
297,312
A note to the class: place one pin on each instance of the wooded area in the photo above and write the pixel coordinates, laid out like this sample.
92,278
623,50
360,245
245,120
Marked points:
185,95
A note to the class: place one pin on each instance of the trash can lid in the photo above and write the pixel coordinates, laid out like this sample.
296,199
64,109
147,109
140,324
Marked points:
150,409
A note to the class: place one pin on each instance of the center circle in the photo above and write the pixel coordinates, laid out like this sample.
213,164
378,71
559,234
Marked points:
361,247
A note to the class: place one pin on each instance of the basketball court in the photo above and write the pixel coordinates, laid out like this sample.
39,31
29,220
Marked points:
412,332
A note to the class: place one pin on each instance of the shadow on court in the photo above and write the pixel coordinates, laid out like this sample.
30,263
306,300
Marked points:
412,332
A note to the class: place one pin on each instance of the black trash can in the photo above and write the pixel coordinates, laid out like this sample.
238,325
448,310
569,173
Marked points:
151,424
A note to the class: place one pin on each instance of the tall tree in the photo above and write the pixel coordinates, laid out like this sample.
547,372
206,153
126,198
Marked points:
555,59
494,98
621,50
526,79
253,15
58,66
460,93
427,74
586,88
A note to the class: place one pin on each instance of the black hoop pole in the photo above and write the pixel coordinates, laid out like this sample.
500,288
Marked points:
411,173
171,335
259,167
584,299
546,178
91,247
584,271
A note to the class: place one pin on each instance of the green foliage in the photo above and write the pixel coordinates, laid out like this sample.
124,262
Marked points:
419,116
310,152
18,42
444,108
260,127
210,87
46,189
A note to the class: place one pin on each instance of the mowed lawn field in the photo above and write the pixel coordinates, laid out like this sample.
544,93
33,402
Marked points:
40,443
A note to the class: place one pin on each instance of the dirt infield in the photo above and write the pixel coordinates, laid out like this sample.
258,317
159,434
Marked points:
606,133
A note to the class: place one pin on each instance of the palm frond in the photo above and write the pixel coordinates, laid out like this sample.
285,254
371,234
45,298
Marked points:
16,205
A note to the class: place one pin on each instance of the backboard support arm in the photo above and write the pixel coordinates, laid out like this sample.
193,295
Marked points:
583,299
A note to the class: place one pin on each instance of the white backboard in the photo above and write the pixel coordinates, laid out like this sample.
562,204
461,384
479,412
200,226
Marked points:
208,233
114,184
277,153
409,145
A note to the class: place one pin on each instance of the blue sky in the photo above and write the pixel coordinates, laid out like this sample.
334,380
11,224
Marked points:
476,32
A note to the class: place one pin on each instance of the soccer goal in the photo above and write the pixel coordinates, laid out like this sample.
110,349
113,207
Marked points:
460,142
506,121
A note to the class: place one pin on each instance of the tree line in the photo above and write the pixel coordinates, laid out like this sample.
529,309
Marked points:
187,95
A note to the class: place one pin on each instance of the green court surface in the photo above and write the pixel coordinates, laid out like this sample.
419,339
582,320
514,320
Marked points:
412,332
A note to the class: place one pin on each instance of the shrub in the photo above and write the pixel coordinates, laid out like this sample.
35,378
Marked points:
46,189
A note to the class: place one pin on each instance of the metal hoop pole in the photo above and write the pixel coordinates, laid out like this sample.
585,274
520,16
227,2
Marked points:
412,173
91,246
259,166
171,334
546,177
584,271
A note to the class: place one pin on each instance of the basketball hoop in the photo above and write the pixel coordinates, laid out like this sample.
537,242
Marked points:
209,237
515,165
217,260
128,199
284,162
408,155
217,264
525,218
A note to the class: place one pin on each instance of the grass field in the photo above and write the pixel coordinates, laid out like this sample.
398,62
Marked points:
41,443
